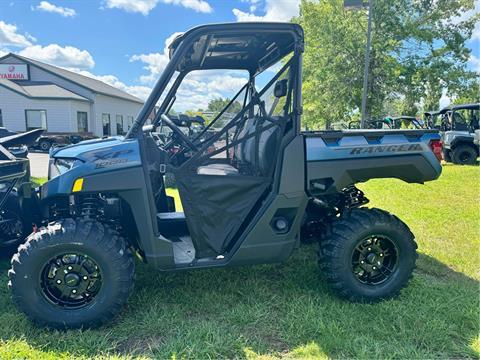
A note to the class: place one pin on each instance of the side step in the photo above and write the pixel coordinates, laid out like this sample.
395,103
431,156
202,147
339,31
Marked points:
172,223
183,250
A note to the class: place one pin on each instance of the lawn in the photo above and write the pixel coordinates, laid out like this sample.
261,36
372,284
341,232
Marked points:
287,310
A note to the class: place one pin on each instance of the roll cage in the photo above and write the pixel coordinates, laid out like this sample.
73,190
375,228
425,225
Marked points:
241,46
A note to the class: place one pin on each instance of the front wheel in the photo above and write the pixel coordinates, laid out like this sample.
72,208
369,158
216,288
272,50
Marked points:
74,273
368,256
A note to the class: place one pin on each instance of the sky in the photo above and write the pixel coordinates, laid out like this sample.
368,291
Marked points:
123,42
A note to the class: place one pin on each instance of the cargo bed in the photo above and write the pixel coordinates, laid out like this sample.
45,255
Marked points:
352,156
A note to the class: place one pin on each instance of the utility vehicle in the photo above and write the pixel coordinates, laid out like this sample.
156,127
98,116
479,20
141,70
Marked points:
458,144
49,140
16,201
250,201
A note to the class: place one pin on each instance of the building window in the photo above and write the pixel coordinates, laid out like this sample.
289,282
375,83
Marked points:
129,122
1,118
82,121
106,125
36,119
119,125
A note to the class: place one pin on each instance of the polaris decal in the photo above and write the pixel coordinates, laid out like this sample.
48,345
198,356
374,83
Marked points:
383,148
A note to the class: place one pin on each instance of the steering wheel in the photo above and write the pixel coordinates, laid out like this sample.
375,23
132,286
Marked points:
183,138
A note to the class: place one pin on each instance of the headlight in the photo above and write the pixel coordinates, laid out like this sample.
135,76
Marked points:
59,166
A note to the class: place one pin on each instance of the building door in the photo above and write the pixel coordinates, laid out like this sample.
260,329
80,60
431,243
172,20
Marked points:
82,121
106,125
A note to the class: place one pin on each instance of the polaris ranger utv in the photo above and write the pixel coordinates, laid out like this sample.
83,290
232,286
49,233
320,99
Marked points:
458,139
250,201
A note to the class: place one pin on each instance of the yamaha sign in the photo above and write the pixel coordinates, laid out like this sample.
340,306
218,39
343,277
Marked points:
14,71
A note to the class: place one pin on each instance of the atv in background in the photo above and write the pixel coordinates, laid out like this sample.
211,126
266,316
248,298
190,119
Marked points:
460,123
17,205
404,122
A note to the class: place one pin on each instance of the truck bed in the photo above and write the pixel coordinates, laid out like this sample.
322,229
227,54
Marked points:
337,159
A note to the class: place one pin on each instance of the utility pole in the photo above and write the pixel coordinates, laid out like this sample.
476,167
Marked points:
358,4
367,64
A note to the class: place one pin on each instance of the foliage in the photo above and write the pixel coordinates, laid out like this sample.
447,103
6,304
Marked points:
218,104
418,50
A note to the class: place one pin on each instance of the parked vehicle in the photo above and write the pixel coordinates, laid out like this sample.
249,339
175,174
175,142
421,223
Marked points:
458,139
17,206
48,140
250,201
404,122
476,138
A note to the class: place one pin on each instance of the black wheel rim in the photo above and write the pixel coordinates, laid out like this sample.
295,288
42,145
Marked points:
374,260
71,280
465,157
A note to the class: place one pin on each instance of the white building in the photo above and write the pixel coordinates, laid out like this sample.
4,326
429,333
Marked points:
37,95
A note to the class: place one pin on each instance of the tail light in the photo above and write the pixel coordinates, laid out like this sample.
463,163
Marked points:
436,147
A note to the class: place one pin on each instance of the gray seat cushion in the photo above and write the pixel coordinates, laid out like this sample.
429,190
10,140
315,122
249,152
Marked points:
217,169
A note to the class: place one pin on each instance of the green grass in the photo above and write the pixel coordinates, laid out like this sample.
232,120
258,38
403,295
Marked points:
287,310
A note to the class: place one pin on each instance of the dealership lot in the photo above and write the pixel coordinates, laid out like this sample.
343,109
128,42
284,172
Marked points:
38,164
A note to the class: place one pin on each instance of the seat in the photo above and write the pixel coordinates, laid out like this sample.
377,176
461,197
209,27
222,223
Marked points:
217,169
246,151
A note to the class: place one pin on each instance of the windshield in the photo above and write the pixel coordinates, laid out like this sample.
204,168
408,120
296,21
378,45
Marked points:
206,93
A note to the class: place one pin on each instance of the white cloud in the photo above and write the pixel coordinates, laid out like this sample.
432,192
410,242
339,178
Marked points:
141,92
466,15
198,88
475,63
445,100
145,6
48,7
155,62
275,10
67,56
10,37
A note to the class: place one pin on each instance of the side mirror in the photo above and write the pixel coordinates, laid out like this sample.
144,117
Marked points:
281,88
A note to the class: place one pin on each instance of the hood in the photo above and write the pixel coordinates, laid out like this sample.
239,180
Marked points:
76,150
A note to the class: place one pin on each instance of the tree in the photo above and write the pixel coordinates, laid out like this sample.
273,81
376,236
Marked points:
418,50
218,104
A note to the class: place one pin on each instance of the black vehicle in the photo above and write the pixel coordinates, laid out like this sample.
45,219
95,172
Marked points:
49,140
404,122
16,201
432,119
250,201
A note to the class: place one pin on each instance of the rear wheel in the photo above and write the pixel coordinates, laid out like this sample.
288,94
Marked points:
74,273
368,256
465,155
45,145
447,156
